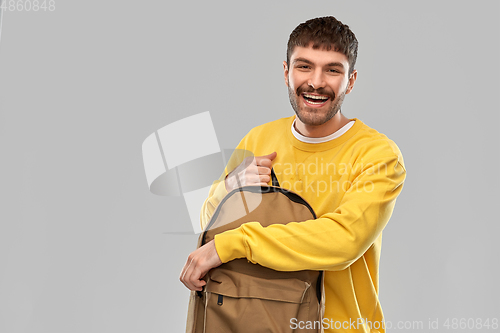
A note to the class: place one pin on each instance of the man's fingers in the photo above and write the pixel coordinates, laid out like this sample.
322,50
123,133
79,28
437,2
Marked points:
193,281
250,173
190,275
184,270
186,273
258,175
257,179
254,171
198,284
264,170
198,264
264,179
192,278
265,160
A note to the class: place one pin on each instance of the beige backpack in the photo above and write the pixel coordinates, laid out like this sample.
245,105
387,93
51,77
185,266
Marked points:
243,297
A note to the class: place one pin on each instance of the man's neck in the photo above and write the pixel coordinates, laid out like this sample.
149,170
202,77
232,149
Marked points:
331,126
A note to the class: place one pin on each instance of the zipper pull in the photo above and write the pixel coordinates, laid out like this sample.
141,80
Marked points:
219,300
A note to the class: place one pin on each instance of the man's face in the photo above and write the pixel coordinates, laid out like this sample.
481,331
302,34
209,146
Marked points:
317,82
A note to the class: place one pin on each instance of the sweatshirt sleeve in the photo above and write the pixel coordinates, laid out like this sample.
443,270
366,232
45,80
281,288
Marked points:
216,194
334,240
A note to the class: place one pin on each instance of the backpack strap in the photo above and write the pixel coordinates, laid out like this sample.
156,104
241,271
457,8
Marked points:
274,179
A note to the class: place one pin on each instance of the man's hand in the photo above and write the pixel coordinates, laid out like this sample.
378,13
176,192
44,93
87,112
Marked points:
252,171
198,264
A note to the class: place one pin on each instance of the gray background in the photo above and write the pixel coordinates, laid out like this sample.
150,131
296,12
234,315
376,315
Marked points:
84,244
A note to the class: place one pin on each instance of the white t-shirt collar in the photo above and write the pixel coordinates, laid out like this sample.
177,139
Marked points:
332,136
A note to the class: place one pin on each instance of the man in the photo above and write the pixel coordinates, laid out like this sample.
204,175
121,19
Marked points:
349,173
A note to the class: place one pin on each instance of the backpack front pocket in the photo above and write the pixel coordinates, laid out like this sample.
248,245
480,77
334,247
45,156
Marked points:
236,302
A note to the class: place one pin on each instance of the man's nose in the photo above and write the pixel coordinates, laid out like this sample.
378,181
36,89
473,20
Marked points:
317,80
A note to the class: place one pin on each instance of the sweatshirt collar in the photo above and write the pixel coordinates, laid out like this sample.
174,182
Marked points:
332,140
327,138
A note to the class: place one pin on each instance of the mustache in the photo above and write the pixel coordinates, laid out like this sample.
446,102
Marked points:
320,91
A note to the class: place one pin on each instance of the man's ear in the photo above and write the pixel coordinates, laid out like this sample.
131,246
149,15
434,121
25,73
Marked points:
285,70
352,80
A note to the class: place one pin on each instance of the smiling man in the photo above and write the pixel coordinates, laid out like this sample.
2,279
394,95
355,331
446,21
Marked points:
348,172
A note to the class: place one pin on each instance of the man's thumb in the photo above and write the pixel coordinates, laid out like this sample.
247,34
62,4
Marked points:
258,159
271,156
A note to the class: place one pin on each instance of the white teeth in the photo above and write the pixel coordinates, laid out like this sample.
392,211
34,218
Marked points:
315,96
315,99
318,103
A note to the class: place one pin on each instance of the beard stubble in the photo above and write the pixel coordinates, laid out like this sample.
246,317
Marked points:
313,116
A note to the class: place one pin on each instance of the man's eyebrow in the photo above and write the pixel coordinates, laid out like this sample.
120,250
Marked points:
332,64
302,60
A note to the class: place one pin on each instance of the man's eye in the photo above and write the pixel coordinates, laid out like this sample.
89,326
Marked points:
333,71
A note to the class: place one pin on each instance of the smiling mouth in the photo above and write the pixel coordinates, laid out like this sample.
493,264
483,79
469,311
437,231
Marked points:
315,100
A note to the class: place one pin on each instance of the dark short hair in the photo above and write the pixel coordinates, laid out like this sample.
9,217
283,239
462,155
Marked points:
327,33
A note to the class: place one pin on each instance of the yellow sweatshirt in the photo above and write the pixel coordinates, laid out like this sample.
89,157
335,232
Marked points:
352,183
